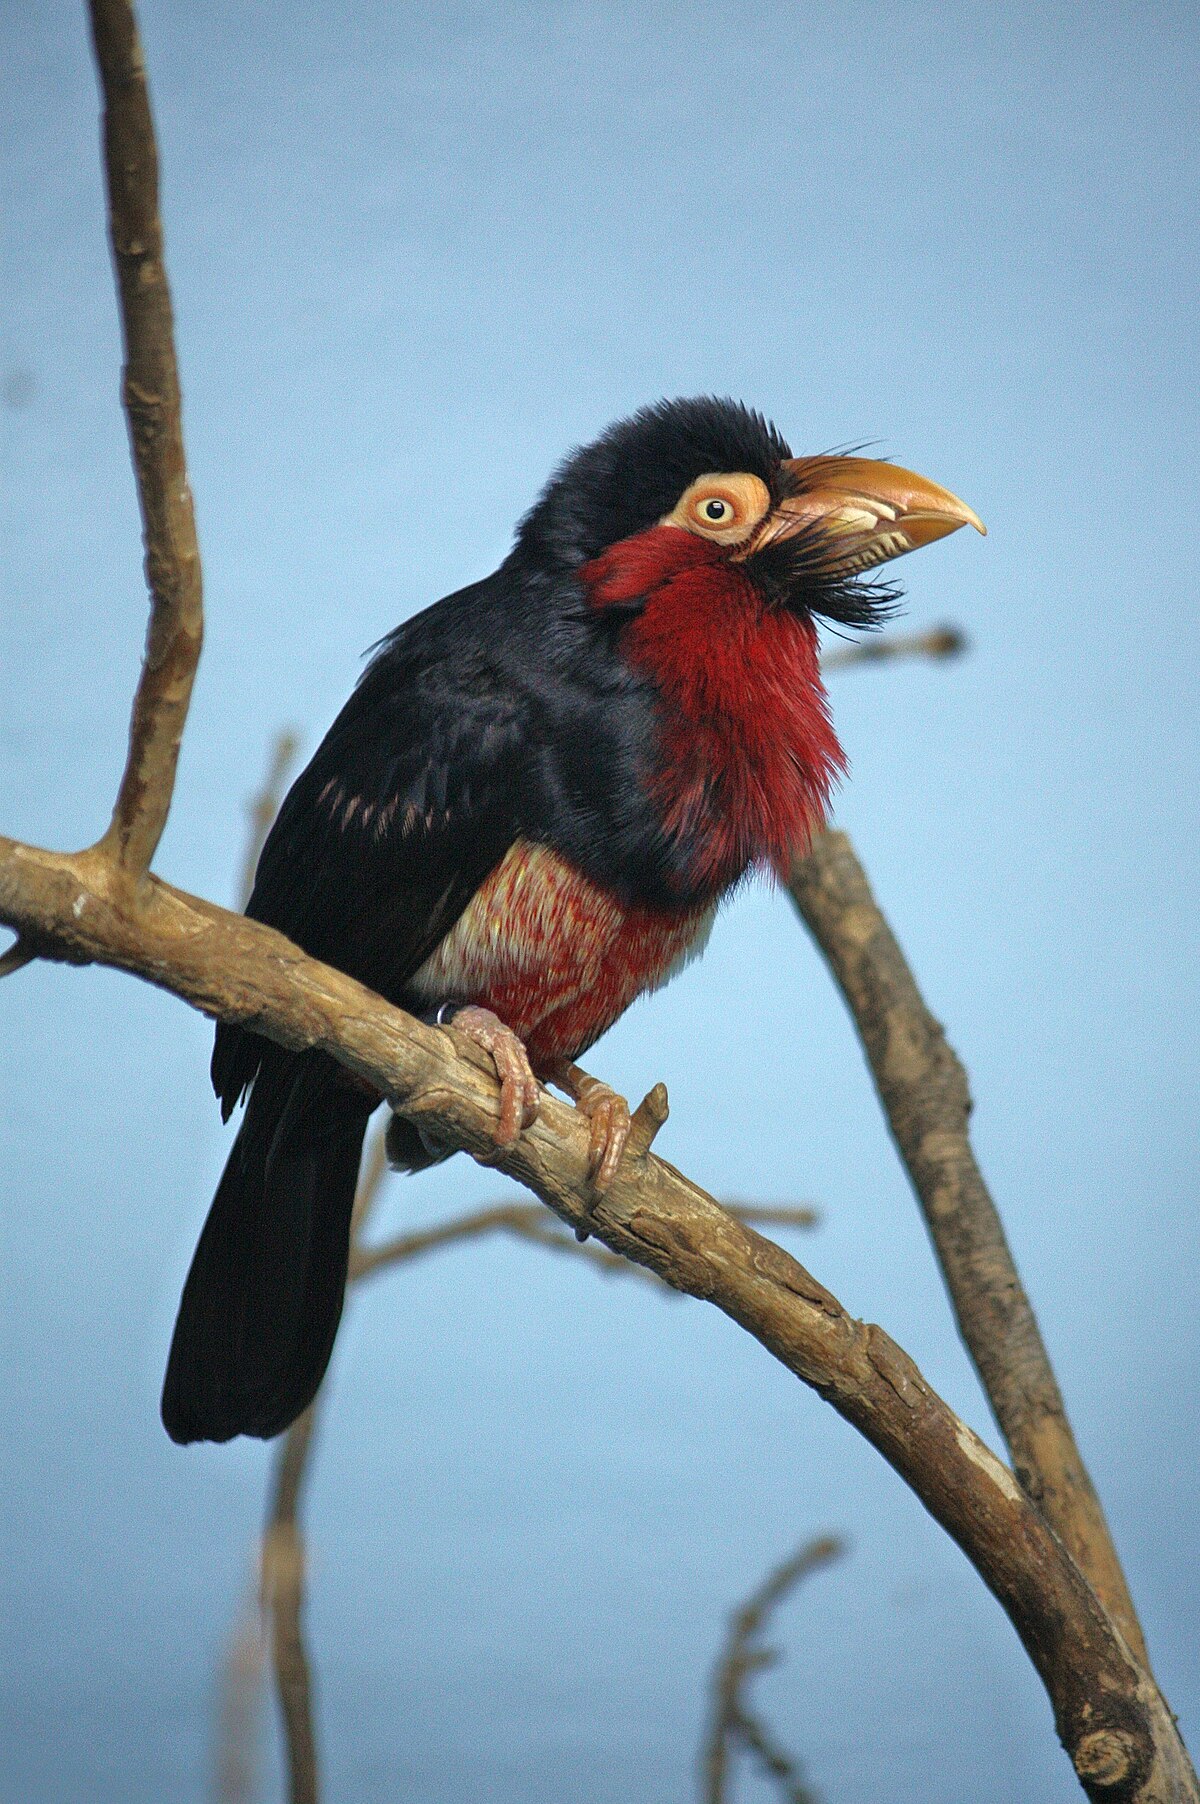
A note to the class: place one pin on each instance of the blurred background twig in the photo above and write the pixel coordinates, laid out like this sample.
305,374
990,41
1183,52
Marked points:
734,1724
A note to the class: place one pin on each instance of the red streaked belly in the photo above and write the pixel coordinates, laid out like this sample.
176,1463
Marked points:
556,957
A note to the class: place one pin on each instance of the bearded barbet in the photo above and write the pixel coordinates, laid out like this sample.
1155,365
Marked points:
525,816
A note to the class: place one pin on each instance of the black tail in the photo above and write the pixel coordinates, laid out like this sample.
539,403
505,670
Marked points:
263,1298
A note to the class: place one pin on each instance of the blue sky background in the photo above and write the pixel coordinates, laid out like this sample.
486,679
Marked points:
416,254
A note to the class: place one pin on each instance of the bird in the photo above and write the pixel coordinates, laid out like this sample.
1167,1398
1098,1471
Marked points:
526,816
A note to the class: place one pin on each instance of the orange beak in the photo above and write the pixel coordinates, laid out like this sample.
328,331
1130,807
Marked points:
861,513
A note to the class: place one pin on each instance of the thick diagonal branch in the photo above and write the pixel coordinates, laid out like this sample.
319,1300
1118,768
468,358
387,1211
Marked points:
1112,1719
923,1089
150,390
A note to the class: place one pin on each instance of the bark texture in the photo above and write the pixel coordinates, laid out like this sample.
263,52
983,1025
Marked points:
150,391
923,1089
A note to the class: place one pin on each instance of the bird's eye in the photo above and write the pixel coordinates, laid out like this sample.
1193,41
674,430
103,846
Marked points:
724,507
715,513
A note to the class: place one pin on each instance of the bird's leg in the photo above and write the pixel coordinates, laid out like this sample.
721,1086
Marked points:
607,1112
519,1094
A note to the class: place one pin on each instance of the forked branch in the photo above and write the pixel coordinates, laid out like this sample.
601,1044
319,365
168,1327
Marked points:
733,1722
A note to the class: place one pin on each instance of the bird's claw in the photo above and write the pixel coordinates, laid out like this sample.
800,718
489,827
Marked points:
520,1097
608,1115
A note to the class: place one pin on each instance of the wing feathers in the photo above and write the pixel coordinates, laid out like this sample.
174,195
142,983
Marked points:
408,804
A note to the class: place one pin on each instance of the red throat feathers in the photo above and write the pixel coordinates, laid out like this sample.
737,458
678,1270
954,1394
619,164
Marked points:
750,755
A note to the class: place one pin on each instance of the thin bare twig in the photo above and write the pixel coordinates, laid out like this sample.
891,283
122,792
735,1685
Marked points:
150,391
264,806
923,1090
774,1215
237,1713
527,1221
648,1118
280,1586
938,642
732,1720
282,1591
283,1557
756,1738
283,1563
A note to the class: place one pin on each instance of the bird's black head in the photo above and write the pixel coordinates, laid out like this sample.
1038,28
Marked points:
803,529
634,473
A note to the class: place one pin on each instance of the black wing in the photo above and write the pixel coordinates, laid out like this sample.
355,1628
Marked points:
412,798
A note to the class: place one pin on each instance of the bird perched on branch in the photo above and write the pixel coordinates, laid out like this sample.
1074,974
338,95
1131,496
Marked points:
526,816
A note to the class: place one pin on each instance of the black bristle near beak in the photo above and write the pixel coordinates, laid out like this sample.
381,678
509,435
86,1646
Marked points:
794,572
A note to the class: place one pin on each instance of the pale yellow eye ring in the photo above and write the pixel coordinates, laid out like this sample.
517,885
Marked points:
724,508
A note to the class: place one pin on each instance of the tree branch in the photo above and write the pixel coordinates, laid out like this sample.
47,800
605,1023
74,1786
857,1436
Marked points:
1109,1714
150,392
923,1089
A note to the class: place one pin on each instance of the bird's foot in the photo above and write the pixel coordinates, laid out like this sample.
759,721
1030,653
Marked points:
608,1114
520,1097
